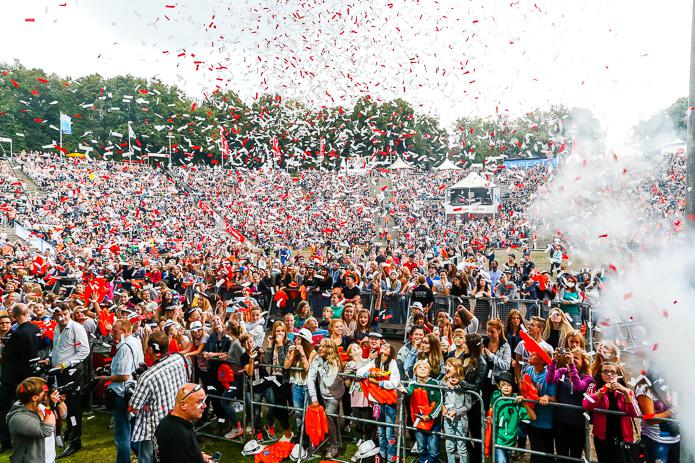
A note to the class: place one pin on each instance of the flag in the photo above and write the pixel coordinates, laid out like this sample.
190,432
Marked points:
225,144
65,124
131,133
236,234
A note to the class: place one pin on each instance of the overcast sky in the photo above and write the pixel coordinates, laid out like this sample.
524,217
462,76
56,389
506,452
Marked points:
623,60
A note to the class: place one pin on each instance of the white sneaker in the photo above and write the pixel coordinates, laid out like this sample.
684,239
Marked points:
285,438
414,449
234,433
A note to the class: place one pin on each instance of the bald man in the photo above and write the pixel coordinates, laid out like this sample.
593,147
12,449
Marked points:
174,439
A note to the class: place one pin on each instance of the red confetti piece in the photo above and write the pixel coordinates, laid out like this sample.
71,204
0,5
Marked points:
29,20
14,82
43,81
605,235
655,346
193,107
170,6
627,296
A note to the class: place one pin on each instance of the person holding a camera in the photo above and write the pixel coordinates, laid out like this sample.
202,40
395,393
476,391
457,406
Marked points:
128,357
32,422
70,350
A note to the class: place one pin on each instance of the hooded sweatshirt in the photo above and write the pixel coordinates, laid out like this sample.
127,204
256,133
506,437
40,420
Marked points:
28,434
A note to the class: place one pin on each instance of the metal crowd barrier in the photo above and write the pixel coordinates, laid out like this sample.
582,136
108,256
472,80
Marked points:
483,421
486,309
400,425
200,430
587,431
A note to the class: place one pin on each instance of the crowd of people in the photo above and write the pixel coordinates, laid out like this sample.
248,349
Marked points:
152,309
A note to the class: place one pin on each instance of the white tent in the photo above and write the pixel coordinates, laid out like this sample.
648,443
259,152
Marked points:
447,165
473,180
400,164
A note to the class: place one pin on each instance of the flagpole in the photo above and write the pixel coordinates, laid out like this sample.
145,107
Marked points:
130,146
60,129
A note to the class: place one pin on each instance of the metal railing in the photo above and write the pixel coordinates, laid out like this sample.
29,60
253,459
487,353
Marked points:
587,430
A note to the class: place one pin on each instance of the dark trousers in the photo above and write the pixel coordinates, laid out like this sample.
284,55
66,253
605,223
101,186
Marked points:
282,397
73,401
474,424
606,450
570,440
5,405
541,441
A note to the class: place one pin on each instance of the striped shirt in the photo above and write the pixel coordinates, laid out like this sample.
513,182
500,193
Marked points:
155,394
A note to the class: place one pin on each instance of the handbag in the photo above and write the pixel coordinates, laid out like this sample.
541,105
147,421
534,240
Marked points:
632,452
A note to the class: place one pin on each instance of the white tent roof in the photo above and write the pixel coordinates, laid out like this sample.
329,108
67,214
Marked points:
473,180
447,165
400,164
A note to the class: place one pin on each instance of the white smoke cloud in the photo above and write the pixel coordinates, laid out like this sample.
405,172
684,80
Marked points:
607,207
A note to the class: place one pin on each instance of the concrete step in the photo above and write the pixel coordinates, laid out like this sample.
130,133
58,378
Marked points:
9,232
31,187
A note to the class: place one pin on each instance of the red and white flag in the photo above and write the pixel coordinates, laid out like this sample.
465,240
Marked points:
236,234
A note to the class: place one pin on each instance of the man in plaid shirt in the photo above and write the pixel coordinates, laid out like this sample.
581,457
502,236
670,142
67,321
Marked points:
155,393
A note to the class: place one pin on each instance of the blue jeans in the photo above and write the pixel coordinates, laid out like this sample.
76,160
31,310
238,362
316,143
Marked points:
502,456
454,447
258,398
144,451
298,397
656,451
121,430
387,438
428,445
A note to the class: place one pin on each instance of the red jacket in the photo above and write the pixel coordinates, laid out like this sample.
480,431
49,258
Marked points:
600,419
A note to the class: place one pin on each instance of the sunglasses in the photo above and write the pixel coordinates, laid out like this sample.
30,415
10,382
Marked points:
197,388
609,372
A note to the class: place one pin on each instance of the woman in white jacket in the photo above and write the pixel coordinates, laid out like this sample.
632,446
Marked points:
325,367
382,371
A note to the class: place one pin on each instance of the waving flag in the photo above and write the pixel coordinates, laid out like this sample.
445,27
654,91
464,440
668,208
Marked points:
65,124
236,234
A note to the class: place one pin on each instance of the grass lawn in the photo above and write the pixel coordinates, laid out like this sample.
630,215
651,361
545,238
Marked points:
98,446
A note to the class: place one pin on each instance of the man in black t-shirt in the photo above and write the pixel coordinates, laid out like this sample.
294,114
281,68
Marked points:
174,439
351,290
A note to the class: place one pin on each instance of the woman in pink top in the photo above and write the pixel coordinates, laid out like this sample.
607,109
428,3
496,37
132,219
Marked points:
611,393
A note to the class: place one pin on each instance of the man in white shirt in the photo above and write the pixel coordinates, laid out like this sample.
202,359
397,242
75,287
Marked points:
70,349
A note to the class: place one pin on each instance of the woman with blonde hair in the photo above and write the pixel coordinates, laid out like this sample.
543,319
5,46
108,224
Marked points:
606,351
325,368
575,340
557,328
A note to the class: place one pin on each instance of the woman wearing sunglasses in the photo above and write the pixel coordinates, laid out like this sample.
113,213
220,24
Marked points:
611,393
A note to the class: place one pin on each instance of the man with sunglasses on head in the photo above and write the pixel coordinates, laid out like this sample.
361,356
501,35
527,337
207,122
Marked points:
155,393
174,439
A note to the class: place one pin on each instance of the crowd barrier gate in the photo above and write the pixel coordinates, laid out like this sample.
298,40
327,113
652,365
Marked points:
587,431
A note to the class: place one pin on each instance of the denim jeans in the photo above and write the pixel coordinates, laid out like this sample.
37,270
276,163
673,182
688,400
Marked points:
503,456
121,430
656,451
258,398
458,427
298,397
387,438
144,451
332,407
428,445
